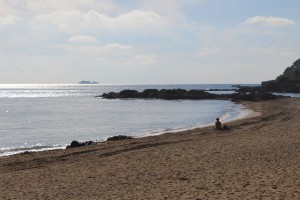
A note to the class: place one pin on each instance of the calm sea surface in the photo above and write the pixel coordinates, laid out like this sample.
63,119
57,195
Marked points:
42,117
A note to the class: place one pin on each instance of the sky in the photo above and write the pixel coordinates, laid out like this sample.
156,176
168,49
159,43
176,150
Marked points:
147,42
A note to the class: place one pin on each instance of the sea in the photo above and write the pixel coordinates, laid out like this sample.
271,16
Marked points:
39,117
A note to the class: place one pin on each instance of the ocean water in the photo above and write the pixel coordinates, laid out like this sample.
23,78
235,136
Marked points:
293,95
43,117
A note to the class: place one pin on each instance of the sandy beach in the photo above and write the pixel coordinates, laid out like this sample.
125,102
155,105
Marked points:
258,158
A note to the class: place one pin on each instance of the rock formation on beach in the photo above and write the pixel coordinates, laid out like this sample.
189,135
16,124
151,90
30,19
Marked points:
75,143
119,137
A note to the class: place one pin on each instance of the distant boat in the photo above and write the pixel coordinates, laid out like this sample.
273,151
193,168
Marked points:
88,82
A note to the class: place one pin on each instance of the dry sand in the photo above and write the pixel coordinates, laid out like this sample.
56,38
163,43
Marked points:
258,158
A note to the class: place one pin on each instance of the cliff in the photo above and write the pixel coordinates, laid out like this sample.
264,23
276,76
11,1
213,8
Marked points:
289,81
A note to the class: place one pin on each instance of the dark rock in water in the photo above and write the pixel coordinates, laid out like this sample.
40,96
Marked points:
200,94
174,94
119,137
124,94
111,95
234,89
244,94
250,89
150,94
75,143
129,94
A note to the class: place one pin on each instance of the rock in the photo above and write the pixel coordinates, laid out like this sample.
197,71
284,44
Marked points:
282,86
200,94
177,94
150,94
250,89
111,95
119,137
75,143
129,94
89,143
259,95
174,94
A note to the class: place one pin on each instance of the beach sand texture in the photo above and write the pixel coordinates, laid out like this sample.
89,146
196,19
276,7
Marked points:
258,158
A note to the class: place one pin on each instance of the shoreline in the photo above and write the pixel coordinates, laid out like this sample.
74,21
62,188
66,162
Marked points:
247,113
244,112
257,158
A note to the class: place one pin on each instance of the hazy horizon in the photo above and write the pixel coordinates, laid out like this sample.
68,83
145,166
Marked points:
141,42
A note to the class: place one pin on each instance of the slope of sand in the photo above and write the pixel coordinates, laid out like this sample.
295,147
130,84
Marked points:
258,158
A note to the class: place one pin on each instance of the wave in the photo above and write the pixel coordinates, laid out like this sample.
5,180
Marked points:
32,148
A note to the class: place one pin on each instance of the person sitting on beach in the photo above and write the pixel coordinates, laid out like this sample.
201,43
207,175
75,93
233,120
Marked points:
218,124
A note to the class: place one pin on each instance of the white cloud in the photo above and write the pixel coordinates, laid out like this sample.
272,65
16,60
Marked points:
8,19
207,51
146,59
110,49
59,16
103,5
269,21
82,39
46,6
174,10
115,46
73,21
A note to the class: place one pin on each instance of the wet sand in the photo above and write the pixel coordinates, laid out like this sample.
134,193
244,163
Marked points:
258,158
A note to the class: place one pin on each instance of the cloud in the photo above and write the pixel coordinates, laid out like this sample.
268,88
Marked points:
115,46
74,21
46,6
8,19
94,49
269,21
207,51
145,59
82,39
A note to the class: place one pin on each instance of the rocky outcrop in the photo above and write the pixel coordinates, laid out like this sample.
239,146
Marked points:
292,86
244,89
289,81
75,143
160,94
244,94
119,137
293,72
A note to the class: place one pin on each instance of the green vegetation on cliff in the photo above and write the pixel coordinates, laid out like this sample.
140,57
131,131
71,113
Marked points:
289,81
292,72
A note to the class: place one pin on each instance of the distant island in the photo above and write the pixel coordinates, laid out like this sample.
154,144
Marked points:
88,82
